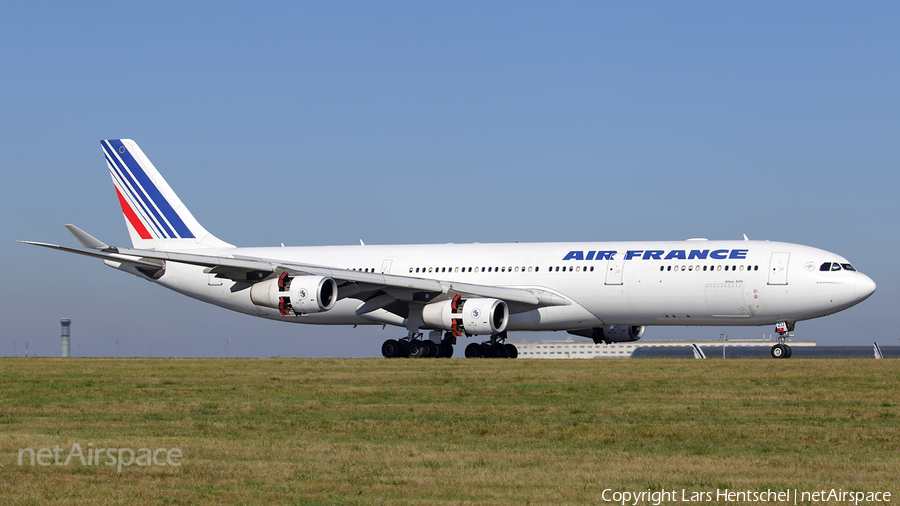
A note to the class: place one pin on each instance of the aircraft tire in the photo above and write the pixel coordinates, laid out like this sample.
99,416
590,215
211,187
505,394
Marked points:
778,351
390,348
511,350
787,351
473,350
418,349
499,351
434,351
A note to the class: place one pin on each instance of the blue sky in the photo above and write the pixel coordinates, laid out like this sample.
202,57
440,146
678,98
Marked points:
419,122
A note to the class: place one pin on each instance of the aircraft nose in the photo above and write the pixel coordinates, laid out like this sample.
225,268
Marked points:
864,286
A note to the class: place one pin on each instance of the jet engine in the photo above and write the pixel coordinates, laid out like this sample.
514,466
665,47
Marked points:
295,294
611,333
472,316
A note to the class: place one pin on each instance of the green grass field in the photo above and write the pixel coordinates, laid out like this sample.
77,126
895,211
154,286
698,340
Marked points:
300,431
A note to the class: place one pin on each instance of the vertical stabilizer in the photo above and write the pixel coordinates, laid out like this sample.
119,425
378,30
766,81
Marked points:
698,352
156,218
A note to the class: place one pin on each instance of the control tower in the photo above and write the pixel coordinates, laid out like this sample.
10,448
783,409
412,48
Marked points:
66,323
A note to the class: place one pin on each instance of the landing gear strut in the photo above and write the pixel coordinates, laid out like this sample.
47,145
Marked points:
784,330
494,348
413,346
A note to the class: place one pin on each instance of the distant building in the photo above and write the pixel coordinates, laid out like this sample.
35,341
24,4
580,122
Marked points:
587,349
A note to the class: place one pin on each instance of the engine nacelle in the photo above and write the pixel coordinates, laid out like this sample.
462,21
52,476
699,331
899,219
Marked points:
611,333
295,294
472,316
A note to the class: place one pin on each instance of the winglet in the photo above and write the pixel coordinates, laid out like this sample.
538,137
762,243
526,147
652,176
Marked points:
85,240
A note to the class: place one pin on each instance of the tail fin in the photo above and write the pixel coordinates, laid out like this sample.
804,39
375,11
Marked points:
155,216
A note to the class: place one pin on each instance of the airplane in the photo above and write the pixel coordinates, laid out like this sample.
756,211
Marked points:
605,291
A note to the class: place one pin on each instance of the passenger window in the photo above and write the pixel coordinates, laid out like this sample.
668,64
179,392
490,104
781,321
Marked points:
662,268
557,268
719,268
537,269
592,268
726,267
669,269
410,269
825,267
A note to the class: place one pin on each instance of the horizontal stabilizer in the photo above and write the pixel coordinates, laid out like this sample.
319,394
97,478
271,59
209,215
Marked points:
85,240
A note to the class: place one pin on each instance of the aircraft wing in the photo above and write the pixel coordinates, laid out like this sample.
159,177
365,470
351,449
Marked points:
252,269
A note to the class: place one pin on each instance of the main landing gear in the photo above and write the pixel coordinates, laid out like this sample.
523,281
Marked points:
413,346
494,348
782,350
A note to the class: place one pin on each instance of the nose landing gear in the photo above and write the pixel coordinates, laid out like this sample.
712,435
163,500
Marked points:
784,330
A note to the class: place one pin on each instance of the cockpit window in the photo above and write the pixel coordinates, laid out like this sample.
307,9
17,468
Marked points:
848,267
835,266
825,267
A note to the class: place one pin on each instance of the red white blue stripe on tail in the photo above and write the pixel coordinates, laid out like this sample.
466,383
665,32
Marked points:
156,217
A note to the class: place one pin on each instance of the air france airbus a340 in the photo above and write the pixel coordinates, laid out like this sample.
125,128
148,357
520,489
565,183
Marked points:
606,291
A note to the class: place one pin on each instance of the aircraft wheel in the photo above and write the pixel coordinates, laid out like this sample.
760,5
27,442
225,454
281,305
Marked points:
778,351
511,350
433,350
499,351
446,351
473,351
390,348
418,349
787,350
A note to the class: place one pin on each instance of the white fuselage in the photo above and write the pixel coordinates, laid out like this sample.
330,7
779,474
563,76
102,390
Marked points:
694,282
